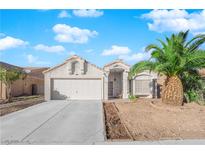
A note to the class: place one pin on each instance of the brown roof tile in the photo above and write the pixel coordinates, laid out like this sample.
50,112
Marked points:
31,71
9,66
35,71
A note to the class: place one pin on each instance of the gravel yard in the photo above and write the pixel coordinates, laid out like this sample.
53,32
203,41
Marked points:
19,103
148,119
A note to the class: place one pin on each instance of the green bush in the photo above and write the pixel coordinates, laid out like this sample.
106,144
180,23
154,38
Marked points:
132,97
194,96
191,96
194,87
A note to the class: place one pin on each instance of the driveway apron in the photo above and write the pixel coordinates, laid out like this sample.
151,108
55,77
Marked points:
55,122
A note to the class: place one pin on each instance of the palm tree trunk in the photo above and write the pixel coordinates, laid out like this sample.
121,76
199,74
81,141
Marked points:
173,91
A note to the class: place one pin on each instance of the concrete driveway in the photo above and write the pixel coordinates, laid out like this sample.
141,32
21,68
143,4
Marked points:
54,122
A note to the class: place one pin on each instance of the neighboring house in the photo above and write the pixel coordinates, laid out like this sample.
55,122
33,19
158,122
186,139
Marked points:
78,79
33,84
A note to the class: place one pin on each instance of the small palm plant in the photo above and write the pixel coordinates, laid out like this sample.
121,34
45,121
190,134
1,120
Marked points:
172,58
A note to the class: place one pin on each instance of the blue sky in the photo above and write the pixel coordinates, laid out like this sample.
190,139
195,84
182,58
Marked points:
48,37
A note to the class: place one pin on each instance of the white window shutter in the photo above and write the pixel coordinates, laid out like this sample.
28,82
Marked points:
70,68
82,67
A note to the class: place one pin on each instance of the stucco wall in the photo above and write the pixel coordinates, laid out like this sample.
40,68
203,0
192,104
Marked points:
63,71
2,91
17,88
147,86
23,87
28,85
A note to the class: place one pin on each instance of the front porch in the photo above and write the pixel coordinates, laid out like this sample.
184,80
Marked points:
117,80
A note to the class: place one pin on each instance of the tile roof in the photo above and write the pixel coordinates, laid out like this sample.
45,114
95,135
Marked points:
9,66
35,71
116,61
70,58
31,71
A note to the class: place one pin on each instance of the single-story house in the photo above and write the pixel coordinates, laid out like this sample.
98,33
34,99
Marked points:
78,79
33,84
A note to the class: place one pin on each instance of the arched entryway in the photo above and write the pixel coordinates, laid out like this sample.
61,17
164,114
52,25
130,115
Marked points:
118,82
115,83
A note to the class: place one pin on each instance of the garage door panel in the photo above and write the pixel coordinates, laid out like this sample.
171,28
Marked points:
76,89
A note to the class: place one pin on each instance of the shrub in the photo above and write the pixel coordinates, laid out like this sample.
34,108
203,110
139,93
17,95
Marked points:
132,97
191,96
194,87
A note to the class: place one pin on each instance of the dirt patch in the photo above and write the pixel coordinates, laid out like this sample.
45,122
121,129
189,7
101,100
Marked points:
149,119
114,127
20,103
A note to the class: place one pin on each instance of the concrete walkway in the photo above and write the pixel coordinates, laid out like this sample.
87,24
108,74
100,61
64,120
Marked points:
54,122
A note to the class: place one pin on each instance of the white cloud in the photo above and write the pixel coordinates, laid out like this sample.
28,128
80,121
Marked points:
88,13
136,57
31,58
116,50
11,42
52,49
35,60
89,50
64,14
70,53
176,20
2,35
68,34
126,54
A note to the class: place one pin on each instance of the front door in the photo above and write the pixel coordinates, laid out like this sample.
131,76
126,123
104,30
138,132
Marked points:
34,89
110,89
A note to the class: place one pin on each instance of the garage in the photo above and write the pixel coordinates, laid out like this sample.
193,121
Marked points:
76,89
75,79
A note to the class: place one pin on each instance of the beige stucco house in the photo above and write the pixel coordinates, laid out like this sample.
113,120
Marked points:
33,84
78,79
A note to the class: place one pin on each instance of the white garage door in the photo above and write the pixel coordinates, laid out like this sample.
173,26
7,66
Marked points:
76,89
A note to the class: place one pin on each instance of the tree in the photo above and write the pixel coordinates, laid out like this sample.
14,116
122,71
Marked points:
172,58
8,76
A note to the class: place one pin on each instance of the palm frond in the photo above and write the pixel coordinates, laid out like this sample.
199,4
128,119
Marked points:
141,66
174,55
196,44
199,36
152,47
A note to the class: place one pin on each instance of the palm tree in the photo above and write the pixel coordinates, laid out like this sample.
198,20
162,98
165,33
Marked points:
172,58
